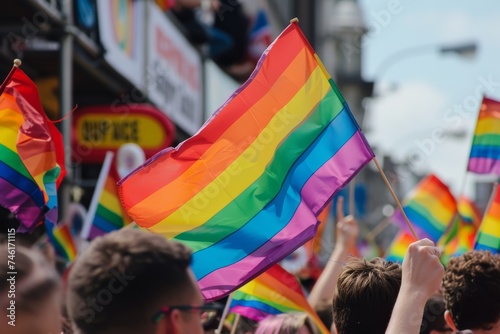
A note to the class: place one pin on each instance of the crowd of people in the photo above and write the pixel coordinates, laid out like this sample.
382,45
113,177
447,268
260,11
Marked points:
133,281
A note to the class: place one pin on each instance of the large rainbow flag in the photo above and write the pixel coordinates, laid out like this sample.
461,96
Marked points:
485,151
430,207
245,191
31,154
273,292
110,215
488,236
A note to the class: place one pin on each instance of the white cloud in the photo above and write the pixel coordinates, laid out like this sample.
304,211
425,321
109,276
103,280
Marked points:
410,112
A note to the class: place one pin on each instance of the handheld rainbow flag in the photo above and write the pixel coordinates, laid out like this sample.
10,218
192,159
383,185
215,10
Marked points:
245,191
485,150
488,236
397,250
430,207
110,215
31,154
273,292
461,236
63,241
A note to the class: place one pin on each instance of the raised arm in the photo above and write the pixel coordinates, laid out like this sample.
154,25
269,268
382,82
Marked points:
422,274
346,233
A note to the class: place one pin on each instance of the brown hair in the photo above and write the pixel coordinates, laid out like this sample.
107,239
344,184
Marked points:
471,289
30,289
286,323
365,296
123,278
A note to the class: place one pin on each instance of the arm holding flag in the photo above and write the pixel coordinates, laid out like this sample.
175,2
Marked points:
422,274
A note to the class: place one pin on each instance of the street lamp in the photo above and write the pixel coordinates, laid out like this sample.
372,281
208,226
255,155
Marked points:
466,50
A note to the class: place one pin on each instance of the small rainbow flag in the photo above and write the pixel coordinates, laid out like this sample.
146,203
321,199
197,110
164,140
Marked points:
397,250
31,153
430,207
273,292
110,215
63,241
485,150
245,191
488,236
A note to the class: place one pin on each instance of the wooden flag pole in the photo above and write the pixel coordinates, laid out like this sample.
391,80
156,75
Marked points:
235,324
17,63
379,228
224,314
400,207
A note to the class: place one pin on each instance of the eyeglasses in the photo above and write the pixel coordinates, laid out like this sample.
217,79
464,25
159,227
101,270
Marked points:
208,313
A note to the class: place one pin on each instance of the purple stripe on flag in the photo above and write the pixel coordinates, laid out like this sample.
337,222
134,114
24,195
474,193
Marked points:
250,313
333,176
484,166
21,205
95,232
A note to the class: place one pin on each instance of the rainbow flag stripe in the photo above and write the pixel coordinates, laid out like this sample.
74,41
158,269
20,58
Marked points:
30,153
469,211
488,236
397,250
63,241
110,215
273,292
485,151
244,192
430,207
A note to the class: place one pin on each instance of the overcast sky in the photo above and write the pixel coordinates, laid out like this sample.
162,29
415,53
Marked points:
428,92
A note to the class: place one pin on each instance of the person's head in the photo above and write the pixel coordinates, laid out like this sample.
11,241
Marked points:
471,289
128,282
29,292
365,296
287,323
433,321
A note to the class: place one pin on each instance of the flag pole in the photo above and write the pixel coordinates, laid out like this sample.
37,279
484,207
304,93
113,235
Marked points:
224,314
15,66
101,181
235,324
379,228
391,190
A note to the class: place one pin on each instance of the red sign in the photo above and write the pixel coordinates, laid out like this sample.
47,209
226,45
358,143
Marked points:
98,129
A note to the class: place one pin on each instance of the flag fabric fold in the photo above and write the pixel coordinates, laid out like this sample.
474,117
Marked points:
31,154
485,150
488,235
273,292
245,191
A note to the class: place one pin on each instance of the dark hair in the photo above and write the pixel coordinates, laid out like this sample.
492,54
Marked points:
30,291
365,296
324,312
433,318
124,277
471,289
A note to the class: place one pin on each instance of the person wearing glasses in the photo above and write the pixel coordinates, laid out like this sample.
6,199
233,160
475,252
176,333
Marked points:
132,281
471,289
